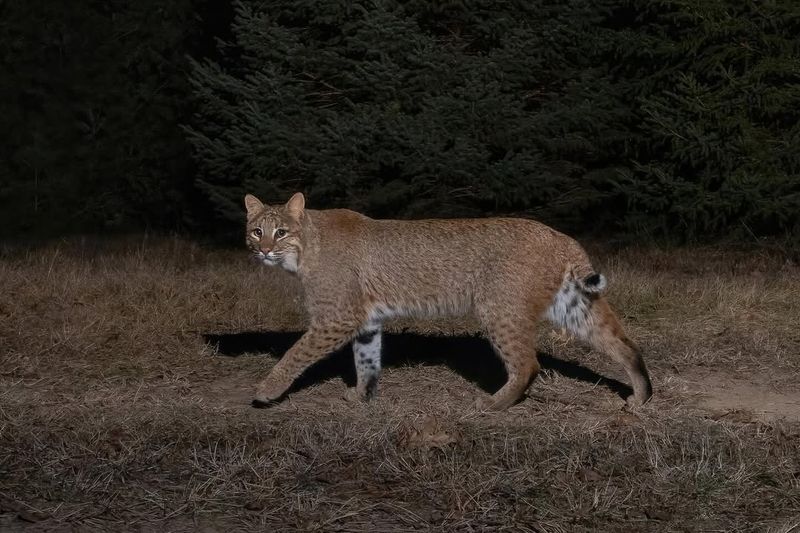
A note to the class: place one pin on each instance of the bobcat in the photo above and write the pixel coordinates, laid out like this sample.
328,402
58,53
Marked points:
356,272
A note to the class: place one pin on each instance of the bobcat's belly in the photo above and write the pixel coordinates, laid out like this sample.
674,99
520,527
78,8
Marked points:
452,305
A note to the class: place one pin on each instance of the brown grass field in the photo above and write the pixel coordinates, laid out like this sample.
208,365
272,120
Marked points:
127,367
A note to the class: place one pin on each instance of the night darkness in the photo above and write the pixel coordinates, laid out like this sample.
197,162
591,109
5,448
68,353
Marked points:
624,118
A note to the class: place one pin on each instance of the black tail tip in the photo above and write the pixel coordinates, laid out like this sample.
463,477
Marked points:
593,280
594,283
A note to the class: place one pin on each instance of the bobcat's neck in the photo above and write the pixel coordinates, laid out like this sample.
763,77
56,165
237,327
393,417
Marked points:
308,263
332,238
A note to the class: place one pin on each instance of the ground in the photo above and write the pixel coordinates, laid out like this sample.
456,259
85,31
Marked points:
127,369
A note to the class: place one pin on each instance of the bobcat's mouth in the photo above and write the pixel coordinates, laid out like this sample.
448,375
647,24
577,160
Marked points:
269,259
287,261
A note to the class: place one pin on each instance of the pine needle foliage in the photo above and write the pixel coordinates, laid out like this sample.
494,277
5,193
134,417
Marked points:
91,98
675,118
411,108
717,87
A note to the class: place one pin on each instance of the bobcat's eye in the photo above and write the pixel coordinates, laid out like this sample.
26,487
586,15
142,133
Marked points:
258,233
280,233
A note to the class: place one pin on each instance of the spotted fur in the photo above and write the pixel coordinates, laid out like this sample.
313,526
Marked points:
358,272
367,353
571,308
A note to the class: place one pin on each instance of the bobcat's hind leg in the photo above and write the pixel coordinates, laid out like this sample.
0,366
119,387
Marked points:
605,334
588,316
367,356
514,341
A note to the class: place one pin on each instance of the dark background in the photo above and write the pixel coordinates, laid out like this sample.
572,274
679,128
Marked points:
674,120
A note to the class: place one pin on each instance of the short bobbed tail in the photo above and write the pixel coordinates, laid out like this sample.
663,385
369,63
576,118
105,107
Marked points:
594,283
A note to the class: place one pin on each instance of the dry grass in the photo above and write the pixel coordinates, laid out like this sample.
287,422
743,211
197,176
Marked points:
126,375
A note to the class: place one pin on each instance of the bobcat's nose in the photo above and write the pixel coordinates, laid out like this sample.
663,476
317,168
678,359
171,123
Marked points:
265,250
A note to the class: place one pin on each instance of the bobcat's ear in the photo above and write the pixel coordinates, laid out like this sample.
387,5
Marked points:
295,205
252,204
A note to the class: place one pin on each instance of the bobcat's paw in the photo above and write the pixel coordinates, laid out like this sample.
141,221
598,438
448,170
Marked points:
263,404
266,395
484,404
354,394
634,401
351,395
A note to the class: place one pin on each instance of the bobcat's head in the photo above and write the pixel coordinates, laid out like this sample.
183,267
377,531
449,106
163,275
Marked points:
275,233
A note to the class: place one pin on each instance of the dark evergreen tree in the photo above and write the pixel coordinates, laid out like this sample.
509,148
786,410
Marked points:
676,117
91,97
717,87
411,108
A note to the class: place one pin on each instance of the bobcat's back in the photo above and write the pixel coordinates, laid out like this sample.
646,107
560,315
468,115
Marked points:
441,266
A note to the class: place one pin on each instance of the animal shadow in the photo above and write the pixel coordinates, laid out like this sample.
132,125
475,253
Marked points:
471,356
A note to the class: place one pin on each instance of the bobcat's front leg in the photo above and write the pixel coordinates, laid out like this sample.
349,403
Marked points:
314,345
367,354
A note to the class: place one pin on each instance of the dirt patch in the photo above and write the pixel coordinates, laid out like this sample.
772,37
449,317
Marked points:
724,395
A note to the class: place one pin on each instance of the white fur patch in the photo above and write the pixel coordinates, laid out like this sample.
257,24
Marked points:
267,259
453,305
367,355
289,261
381,312
571,310
286,260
